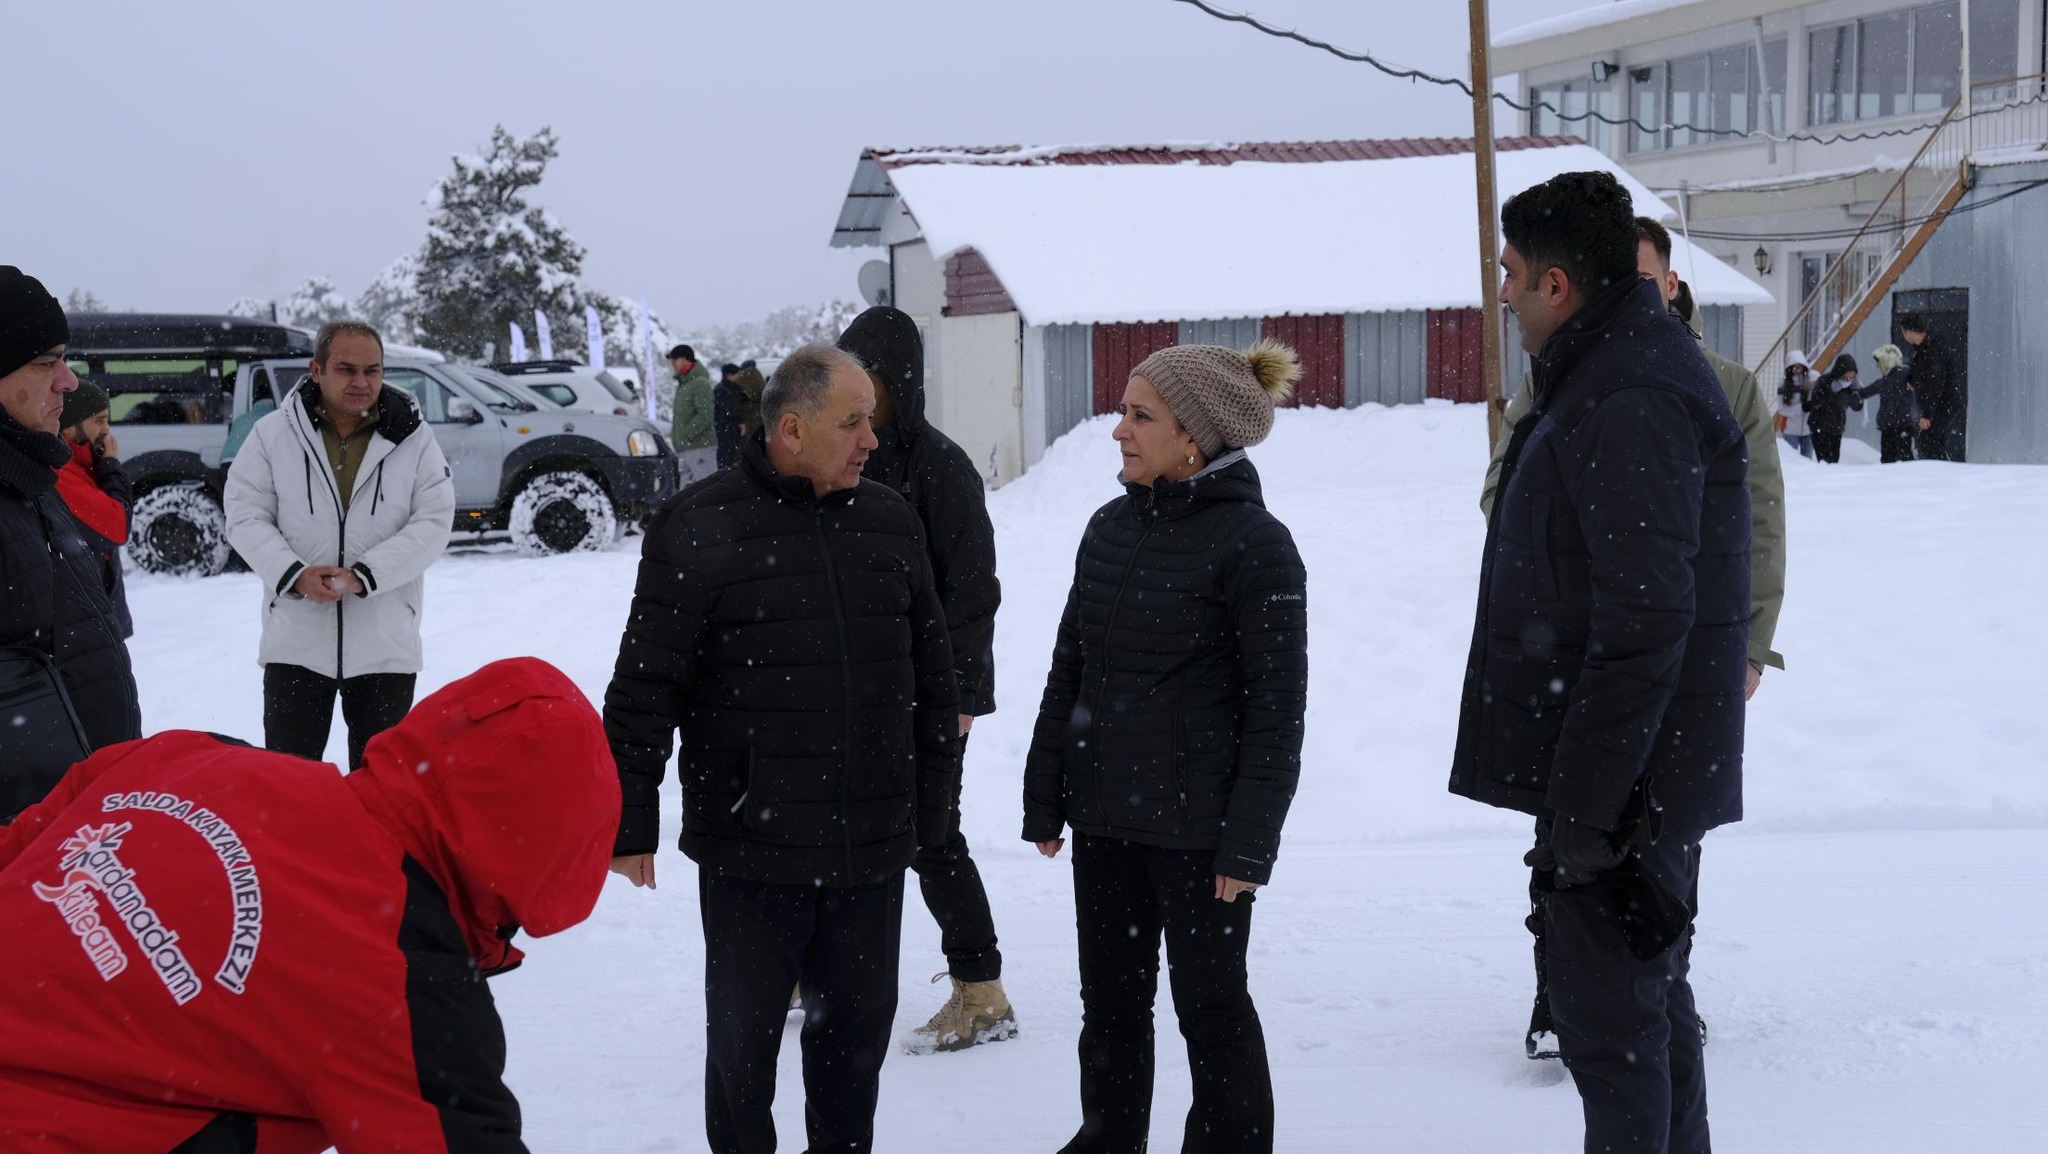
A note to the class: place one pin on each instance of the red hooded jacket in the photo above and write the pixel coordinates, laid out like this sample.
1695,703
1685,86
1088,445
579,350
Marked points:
205,936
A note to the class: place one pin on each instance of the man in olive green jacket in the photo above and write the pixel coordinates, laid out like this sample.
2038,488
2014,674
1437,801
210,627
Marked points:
692,432
1766,543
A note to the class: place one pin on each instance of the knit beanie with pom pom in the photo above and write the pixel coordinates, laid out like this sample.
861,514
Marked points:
1222,397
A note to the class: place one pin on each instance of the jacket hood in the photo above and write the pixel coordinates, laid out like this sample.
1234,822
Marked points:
886,340
398,415
29,456
503,787
1843,366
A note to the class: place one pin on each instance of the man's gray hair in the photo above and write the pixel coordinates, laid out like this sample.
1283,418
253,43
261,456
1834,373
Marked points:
802,381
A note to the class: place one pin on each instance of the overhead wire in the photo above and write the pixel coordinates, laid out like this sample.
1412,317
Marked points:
1416,74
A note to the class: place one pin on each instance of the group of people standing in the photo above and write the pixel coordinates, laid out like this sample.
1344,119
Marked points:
708,421
1919,407
816,622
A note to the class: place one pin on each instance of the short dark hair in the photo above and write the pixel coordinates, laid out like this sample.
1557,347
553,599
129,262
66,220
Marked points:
1658,236
682,353
324,343
1581,222
1912,322
802,380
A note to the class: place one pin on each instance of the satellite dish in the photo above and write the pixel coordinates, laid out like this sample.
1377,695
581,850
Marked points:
874,282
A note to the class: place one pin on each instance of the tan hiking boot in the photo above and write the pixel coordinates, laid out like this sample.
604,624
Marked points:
977,1012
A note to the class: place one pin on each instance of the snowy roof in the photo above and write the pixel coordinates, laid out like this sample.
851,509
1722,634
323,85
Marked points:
1092,243
1601,29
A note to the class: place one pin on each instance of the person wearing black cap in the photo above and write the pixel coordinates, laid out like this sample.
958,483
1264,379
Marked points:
95,488
692,431
56,614
942,484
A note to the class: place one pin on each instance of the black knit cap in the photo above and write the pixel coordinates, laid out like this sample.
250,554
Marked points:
82,404
31,321
683,353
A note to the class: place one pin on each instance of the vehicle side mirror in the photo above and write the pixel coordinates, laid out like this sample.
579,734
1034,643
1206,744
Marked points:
463,411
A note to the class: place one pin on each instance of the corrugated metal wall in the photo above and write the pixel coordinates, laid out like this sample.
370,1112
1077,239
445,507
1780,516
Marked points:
1385,358
1069,378
1117,349
1319,342
2007,418
1240,333
1457,355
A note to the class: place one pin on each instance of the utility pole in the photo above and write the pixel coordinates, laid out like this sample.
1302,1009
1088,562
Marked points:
1489,223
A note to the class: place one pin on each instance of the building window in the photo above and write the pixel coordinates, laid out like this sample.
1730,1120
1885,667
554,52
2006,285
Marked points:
1705,96
1560,110
1903,63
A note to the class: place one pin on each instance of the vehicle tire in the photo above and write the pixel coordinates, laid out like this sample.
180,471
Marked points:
180,531
562,512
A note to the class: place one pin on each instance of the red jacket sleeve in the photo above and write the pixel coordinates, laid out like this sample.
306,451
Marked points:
97,510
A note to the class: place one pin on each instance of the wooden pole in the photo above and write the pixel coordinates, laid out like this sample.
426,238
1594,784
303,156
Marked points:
1489,224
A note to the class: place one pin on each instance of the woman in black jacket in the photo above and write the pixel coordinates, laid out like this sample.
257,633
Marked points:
1826,408
1169,740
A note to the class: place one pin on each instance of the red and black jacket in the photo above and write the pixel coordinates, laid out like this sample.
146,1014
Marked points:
215,947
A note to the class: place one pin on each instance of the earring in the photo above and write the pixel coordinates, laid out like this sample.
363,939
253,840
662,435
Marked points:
1191,458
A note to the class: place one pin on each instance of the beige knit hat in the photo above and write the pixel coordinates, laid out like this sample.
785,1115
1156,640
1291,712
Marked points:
1222,397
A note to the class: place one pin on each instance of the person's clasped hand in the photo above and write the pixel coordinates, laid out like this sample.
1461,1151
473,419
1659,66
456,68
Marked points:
1577,853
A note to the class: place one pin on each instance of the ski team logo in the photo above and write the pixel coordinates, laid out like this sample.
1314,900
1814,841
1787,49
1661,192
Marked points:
104,903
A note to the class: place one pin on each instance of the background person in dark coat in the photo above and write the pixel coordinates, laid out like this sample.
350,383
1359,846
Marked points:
53,600
1604,688
1169,740
785,618
1933,376
95,488
1827,408
1898,410
725,415
936,477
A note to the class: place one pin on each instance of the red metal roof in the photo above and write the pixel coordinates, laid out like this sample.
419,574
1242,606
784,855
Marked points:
1281,152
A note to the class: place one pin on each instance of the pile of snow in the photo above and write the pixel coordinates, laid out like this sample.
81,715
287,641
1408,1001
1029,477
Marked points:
1865,960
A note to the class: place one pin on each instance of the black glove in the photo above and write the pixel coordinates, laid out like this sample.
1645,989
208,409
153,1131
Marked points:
1577,853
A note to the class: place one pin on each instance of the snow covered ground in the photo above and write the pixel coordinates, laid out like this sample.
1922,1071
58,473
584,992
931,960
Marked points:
1873,949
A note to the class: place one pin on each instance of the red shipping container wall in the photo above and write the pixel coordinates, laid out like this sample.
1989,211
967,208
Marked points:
1456,358
972,289
1319,342
1119,349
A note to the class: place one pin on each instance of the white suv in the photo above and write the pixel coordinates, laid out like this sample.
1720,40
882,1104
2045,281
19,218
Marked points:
573,386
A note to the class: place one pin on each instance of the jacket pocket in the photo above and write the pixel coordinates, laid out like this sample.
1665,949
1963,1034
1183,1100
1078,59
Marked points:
1180,756
1542,564
739,808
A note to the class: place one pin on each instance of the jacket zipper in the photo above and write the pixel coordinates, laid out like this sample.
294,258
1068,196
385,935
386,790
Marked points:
1102,691
846,685
340,544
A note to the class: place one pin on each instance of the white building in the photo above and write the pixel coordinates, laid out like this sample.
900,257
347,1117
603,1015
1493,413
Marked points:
1041,276
1884,191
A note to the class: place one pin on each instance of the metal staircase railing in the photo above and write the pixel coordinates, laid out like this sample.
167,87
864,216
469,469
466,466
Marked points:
2002,115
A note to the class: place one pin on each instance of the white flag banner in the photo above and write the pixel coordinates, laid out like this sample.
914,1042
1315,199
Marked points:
647,373
593,332
547,339
518,343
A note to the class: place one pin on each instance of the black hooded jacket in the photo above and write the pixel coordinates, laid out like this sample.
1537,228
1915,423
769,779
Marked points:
1173,712
942,484
52,594
1828,403
1608,657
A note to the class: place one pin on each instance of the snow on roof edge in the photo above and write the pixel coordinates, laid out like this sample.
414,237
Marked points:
1595,16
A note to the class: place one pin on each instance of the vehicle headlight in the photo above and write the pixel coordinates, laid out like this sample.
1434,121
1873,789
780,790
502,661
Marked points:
641,443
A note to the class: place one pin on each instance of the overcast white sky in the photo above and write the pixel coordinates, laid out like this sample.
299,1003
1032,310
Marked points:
178,156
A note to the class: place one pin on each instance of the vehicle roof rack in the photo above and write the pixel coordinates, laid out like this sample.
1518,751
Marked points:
519,368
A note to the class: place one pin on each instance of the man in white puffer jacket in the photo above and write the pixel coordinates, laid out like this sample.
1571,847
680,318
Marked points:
339,501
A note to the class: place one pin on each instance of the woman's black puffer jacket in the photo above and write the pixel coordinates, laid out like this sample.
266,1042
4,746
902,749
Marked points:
1173,712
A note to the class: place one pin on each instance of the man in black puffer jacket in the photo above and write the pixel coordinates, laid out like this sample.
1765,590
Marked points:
52,600
938,480
786,619
1604,690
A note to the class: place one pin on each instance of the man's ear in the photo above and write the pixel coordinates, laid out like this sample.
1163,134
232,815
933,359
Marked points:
789,429
1557,285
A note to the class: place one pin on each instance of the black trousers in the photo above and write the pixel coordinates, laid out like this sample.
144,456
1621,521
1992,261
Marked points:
1125,896
1895,444
298,709
1626,1025
953,892
760,940
1827,445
